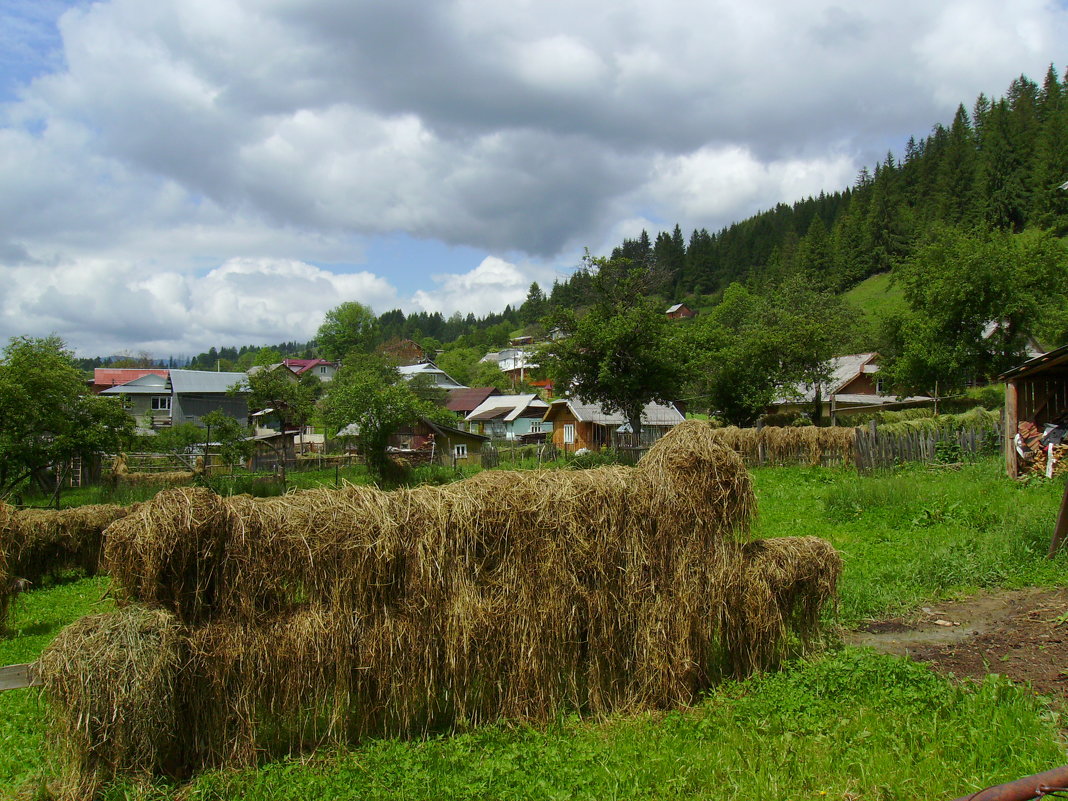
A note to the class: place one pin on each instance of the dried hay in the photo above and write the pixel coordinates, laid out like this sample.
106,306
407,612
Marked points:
39,543
120,474
326,615
814,445
113,681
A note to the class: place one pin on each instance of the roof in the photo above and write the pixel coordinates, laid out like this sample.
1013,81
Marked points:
1056,358
675,308
654,414
466,399
301,366
449,431
205,381
843,370
508,407
113,376
441,378
148,384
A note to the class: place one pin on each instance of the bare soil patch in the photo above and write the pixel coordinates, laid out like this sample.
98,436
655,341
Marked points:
1022,634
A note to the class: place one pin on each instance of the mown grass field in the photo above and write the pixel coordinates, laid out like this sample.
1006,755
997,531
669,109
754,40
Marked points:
843,724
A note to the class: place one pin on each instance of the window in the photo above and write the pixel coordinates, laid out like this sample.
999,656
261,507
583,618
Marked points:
322,370
569,434
161,403
459,451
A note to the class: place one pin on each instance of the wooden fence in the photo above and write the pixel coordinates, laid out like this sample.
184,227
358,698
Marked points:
873,448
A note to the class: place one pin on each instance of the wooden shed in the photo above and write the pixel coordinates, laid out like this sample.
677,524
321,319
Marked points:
1035,392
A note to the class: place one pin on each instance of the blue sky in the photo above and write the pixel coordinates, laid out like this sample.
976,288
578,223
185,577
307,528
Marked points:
183,173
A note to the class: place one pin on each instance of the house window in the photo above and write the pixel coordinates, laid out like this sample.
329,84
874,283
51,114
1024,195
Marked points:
322,370
459,451
161,403
536,428
569,433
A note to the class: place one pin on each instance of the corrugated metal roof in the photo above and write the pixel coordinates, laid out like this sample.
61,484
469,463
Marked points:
654,414
843,370
441,378
205,381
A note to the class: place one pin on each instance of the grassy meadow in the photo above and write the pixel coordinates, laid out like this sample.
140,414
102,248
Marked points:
843,724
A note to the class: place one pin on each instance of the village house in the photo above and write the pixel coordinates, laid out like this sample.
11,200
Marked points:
853,387
438,377
577,425
182,396
323,369
516,363
680,311
509,416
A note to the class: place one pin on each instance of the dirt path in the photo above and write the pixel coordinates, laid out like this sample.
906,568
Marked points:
1022,634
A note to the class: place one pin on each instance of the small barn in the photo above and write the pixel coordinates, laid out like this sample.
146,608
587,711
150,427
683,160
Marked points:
680,311
1036,411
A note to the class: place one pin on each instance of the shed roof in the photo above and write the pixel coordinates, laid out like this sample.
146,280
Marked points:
654,414
1056,359
113,376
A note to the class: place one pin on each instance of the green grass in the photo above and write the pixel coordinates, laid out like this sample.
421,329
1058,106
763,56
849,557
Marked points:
917,533
876,298
844,724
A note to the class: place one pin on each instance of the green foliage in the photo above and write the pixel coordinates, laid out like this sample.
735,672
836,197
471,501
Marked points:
374,397
622,352
751,347
234,444
178,438
958,284
346,328
47,414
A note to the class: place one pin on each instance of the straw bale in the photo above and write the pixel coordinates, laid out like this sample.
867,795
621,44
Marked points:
327,615
814,445
113,684
38,543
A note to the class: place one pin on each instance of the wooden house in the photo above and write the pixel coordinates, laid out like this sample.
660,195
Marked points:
1036,399
508,416
853,387
680,311
577,425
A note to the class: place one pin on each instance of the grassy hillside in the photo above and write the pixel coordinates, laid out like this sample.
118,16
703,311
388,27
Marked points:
876,298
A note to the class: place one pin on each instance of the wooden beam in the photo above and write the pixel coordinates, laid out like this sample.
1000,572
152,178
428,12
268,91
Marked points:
15,677
1011,423
1060,531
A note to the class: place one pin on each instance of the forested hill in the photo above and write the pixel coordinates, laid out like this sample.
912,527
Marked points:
998,166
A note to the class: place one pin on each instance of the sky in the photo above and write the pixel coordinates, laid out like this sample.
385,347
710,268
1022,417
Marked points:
178,174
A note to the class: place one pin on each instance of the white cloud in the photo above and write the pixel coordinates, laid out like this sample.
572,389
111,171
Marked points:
104,306
713,182
180,135
489,287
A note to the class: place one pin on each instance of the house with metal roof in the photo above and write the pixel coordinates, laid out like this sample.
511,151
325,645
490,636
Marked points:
853,387
577,425
439,377
183,396
508,416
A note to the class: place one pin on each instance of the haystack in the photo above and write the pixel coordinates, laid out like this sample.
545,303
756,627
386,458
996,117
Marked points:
814,445
39,543
120,474
331,614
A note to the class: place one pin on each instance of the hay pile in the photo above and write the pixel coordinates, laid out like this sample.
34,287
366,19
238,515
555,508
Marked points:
120,474
328,615
39,543
814,445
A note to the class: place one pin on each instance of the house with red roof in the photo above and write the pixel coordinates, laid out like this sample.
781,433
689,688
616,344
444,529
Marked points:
322,369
